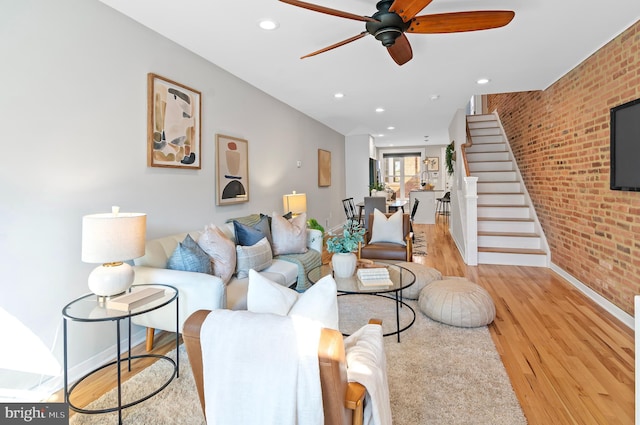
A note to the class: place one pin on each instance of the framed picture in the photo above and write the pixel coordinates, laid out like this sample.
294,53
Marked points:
324,168
173,124
433,163
233,170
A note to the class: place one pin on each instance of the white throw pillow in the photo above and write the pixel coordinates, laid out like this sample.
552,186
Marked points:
257,257
387,229
289,236
319,303
222,251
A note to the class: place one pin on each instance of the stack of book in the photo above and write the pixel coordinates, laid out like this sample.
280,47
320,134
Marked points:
135,299
374,277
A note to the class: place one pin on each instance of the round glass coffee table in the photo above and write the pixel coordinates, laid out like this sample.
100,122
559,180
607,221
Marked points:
400,277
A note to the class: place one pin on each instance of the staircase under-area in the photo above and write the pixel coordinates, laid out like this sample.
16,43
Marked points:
508,231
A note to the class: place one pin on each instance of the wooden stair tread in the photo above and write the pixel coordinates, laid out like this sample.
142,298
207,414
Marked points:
500,193
488,161
505,219
501,206
510,234
512,250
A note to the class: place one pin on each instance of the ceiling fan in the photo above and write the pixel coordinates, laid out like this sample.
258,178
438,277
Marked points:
396,17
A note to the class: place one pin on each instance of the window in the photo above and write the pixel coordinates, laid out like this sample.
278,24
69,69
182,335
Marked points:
401,172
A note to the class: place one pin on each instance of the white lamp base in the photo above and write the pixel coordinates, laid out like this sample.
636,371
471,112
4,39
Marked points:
111,279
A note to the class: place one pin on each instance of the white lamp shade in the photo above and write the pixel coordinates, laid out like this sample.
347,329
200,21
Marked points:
113,237
295,202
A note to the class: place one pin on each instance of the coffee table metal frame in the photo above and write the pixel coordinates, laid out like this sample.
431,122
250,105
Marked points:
92,308
401,277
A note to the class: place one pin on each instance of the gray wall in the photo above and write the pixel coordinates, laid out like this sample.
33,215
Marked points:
73,113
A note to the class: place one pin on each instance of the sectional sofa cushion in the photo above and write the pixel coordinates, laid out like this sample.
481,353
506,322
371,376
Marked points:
250,235
222,251
189,257
257,257
289,236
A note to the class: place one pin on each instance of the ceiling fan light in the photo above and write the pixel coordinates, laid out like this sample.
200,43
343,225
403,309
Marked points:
387,36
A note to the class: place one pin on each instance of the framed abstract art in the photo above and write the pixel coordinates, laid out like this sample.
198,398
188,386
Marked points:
324,168
173,124
232,173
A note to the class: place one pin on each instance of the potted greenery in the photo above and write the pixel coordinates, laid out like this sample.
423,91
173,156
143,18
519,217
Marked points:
343,248
450,157
316,233
374,188
312,223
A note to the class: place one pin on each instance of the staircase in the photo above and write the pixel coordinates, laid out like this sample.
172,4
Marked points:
508,232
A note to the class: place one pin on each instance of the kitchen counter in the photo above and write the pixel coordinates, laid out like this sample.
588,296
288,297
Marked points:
426,212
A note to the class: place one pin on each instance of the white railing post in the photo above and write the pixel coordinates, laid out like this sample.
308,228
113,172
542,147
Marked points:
471,221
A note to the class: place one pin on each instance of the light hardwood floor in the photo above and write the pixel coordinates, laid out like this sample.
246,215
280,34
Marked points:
569,361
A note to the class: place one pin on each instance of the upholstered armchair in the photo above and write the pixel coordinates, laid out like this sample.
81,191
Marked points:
342,401
390,239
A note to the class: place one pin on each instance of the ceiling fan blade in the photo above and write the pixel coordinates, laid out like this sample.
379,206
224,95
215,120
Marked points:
401,51
460,21
333,46
407,9
329,11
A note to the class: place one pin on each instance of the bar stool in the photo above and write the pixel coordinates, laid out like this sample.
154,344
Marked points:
442,208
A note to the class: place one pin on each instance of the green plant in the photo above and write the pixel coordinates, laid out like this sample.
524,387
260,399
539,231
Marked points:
450,157
352,234
376,186
312,223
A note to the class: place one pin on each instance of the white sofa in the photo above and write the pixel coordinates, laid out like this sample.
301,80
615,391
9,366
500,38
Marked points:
199,291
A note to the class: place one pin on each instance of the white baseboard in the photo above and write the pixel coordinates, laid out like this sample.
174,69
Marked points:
619,314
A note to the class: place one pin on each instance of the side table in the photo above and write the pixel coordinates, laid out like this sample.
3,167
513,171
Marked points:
92,308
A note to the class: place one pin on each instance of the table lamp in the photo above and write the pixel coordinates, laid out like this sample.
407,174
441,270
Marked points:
296,203
111,239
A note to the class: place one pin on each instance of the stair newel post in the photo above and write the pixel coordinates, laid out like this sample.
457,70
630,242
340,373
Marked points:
471,223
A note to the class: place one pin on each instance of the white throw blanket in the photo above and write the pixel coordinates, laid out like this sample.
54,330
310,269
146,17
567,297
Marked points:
367,365
261,368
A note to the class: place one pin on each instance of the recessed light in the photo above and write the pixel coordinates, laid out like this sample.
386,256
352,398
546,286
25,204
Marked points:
434,97
338,95
391,127
483,81
380,135
268,24
379,109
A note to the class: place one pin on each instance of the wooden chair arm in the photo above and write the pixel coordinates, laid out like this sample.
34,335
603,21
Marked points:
354,400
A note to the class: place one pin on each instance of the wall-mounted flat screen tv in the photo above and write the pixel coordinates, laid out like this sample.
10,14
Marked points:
625,146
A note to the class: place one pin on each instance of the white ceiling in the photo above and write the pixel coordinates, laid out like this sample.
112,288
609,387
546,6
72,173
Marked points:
545,40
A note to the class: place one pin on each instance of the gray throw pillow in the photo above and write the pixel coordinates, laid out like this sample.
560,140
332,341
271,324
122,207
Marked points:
189,257
251,235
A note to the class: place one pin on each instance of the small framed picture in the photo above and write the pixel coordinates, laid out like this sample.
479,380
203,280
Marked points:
232,173
173,124
433,163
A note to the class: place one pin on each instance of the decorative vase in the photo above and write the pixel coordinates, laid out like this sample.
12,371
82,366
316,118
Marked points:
344,264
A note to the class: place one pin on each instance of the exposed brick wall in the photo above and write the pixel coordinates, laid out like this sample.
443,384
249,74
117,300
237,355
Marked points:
560,138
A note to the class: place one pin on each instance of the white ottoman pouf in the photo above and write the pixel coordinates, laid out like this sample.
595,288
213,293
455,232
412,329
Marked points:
457,302
424,276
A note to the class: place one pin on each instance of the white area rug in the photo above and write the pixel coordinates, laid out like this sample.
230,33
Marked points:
437,374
